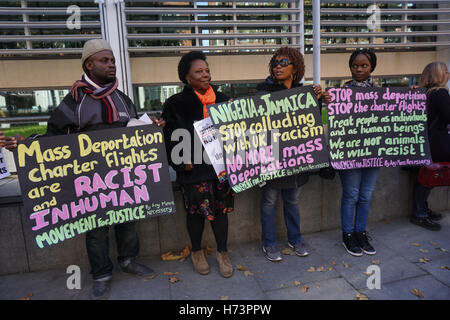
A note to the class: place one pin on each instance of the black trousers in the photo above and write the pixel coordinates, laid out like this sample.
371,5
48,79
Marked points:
420,197
97,245
196,223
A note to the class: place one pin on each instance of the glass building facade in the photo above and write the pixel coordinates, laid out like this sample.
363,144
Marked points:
31,29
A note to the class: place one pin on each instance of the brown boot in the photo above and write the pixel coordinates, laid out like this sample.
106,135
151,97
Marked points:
225,267
199,262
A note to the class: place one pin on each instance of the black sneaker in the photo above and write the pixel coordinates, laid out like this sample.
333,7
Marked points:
426,222
351,244
137,269
363,240
433,215
100,289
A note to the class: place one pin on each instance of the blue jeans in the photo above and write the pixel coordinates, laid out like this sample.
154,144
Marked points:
97,245
357,188
291,210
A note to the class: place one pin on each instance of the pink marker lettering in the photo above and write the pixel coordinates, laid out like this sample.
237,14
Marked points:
82,184
154,167
39,219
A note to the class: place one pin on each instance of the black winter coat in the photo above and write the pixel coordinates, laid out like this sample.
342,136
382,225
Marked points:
296,180
73,117
180,111
438,113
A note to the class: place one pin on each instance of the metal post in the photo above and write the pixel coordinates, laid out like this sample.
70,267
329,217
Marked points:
197,40
405,27
26,30
113,23
294,16
101,15
124,54
235,31
443,53
301,16
316,41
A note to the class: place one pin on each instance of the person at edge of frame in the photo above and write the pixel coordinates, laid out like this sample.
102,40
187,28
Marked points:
95,103
434,79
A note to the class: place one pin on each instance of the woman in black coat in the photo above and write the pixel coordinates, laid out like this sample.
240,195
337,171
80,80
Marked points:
204,196
434,78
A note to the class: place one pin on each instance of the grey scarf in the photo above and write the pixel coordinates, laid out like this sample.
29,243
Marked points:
368,83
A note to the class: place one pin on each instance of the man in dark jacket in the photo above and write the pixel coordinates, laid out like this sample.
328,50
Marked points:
95,103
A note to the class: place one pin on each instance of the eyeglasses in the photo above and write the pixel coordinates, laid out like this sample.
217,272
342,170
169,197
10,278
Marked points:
283,62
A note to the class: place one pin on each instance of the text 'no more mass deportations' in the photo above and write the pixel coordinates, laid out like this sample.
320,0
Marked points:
270,136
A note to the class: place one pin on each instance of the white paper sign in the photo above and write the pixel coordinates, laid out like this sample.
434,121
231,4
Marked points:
3,168
146,118
207,134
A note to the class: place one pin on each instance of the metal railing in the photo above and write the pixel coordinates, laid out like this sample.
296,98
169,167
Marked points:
395,24
233,26
259,27
160,26
35,30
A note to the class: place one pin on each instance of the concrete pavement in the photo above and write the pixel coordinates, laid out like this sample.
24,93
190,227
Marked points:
410,258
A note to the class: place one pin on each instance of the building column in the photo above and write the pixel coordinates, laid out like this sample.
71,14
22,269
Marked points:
112,18
443,52
316,41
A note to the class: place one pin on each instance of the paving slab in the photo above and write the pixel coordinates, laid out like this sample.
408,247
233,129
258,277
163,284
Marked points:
194,286
44,285
335,275
129,287
438,268
330,289
276,275
392,266
413,242
431,289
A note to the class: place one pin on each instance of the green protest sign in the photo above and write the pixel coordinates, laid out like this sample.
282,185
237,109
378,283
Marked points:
270,136
376,127
75,183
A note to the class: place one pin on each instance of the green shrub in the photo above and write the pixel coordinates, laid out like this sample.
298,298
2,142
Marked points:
25,131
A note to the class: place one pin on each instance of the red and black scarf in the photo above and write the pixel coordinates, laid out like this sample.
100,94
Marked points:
97,92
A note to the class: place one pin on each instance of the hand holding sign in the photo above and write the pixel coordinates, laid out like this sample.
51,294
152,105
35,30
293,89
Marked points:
2,139
11,142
